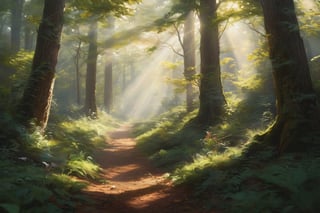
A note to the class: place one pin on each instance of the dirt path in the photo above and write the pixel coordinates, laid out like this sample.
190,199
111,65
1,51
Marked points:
133,184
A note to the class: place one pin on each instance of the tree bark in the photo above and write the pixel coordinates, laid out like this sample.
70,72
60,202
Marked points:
189,59
297,119
90,102
212,100
36,101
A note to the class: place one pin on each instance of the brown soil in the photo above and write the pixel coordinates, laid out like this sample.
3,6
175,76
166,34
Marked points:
133,184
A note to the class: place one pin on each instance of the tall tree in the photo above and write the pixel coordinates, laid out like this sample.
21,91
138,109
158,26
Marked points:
77,67
189,58
90,100
298,117
16,23
108,86
36,101
212,100
108,75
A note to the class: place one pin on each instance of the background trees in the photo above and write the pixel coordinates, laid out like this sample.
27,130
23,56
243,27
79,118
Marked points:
228,13
224,44
90,106
108,72
189,58
16,23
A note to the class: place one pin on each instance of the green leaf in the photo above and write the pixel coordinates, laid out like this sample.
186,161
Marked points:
10,208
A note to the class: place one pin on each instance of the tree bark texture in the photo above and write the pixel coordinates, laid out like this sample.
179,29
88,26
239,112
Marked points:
36,101
212,100
90,102
189,59
297,106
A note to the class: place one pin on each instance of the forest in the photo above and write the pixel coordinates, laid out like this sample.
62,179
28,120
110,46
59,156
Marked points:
130,106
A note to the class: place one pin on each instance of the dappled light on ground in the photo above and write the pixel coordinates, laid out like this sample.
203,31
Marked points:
132,183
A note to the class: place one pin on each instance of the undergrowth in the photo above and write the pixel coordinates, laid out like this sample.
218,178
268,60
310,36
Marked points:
224,168
169,138
37,171
27,187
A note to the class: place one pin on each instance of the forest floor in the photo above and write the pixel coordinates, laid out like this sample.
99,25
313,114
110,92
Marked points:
133,184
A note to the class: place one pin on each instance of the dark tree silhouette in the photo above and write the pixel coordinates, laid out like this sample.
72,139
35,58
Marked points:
212,100
90,101
36,101
297,106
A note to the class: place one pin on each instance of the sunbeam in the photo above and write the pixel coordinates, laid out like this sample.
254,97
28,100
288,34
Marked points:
143,97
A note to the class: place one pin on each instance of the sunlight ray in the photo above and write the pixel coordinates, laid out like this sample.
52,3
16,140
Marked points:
143,96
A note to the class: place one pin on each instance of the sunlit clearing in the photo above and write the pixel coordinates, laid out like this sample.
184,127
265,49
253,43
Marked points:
143,97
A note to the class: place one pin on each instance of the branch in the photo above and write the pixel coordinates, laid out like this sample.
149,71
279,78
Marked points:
224,28
174,50
179,36
227,21
255,30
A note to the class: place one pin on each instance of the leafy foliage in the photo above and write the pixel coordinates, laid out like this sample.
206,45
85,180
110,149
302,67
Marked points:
226,164
18,68
25,186
103,7
72,143
36,170
287,184
82,166
169,138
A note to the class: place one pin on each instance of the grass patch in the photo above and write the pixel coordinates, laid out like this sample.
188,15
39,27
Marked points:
37,170
169,139
224,163
82,166
26,187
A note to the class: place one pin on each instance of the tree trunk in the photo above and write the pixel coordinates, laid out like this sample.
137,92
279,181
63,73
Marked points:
108,87
16,22
124,78
90,102
108,77
297,119
36,101
189,59
212,100
77,66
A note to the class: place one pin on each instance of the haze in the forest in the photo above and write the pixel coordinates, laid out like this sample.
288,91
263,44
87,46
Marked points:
214,103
